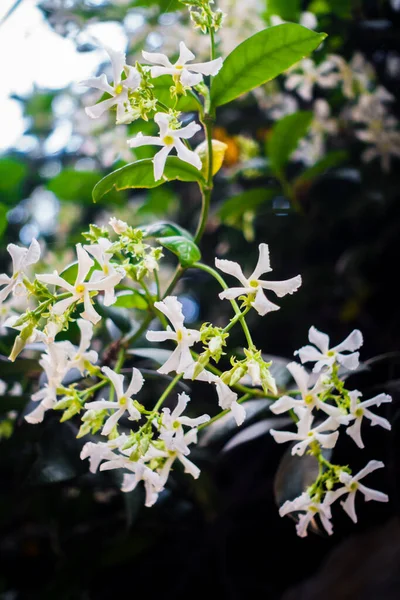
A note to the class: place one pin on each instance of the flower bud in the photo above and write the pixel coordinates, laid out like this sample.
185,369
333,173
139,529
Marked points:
218,149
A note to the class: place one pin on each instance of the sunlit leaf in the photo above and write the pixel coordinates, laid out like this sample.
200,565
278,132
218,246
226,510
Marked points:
186,250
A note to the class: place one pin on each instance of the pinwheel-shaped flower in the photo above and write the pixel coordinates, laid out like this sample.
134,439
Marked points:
81,289
22,258
188,75
119,91
168,139
310,507
359,410
181,358
124,402
323,75
310,397
171,429
254,286
306,434
323,356
351,485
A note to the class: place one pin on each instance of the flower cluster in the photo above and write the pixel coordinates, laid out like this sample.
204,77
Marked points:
326,398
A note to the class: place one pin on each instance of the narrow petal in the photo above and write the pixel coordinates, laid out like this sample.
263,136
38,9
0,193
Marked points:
327,440
160,336
134,414
186,132
33,254
129,482
371,494
116,379
376,420
232,293
190,467
172,364
319,339
281,288
183,400
238,412
156,58
207,68
136,383
349,506
283,404
283,436
101,405
262,304
232,268
376,400
36,416
308,354
118,60
263,264
100,83
349,361
144,140
184,54
96,110
160,71
89,312
86,329
353,342
369,468
300,376
60,307
55,279
187,155
85,263
354,431
172,308
112,421
190,79
159,161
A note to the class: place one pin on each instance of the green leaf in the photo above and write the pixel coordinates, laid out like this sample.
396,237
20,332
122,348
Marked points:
75,186
186,250
130,299
140,175
289,10
161,91
165,229
285,137
233,209
70,273
12,175
3,219
331,160
262,57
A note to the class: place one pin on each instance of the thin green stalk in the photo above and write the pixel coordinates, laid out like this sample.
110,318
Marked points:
178,274
223,412
157,282
167,391
235,306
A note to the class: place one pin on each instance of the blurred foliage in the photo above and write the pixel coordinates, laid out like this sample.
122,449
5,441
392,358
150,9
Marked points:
68,534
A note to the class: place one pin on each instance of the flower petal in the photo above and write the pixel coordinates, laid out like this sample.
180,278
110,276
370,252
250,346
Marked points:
187,155
116,379
96,110
231,268
207,68
136,383
351,343
281,288
159,161
319,339
262,304
184,54
190,79
263,264
156,58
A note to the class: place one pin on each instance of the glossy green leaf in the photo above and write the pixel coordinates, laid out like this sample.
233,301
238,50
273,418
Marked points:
186,250
165,229
131,299
262,57
285,137
161,91
140,174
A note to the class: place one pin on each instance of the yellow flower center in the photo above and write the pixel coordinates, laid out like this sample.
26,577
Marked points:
105,269
176,425
118,89
359,412
308,399
179,335
330,353
122,401
168,140
254,283
178,67
354,486
80,288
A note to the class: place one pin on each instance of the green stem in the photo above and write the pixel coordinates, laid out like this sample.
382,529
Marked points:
128,339
223,412
178,273
90,391
236,319
157,282
235,306
206,190
167,391
212,40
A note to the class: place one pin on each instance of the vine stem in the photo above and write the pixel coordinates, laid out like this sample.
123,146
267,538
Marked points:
235,305
166,392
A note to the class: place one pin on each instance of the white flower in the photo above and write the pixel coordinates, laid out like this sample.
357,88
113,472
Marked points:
100,252
118,225
119,91
351,485
171,426
189,75
22,258
96,452
304,82
323,356
312,147
124,400
255,286
359,410
311,508
80,357
141,472
309,397
168,139
358,71
189,467
371,109
386,143
306,434
55,363
181,358
81,289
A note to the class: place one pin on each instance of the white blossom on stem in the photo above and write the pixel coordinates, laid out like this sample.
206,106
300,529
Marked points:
22,259
141,472
119,91
306,434
253,285
81,289
81,357
311,508
101,252
324,356
118,225
359,410
189,75
309,396
189,467
171,425
124,402
169,139
352,485
181,358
